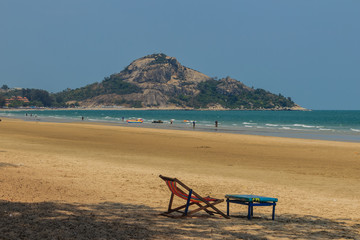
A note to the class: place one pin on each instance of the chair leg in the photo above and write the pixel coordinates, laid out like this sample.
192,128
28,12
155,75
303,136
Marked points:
197,210
209,212
171,201
201,207
188,202
216,209
210,205
179,208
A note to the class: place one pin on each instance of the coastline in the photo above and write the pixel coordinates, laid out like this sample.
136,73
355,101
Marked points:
298,130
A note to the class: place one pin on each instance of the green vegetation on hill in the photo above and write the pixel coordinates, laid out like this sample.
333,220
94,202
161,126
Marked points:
36,97
209,95
41,98
112,84
115,84
2,101
76,94
159,58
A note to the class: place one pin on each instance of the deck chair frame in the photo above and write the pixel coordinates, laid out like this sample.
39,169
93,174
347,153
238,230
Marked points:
192,198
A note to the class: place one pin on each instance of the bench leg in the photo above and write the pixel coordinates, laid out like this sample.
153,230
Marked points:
250,210
228,207
273,214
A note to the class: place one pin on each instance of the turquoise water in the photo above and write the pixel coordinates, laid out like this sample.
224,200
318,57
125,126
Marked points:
329,125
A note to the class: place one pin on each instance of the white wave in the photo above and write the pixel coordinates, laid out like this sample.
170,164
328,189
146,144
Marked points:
99,120
271,125
355,130
8,114
247,123
297,129
303,125
325,129
292,129
248,126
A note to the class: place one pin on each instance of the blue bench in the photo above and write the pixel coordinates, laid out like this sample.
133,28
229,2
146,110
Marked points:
251,201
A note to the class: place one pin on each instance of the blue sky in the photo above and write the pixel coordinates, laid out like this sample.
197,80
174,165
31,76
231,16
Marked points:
307,50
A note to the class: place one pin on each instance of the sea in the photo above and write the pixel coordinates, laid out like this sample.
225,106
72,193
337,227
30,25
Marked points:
317,124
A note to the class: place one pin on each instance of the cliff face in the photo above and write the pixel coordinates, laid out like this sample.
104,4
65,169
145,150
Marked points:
161,81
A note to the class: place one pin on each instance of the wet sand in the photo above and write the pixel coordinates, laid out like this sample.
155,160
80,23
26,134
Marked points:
81,180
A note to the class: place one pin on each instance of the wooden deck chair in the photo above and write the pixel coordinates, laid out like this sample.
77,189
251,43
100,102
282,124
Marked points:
192,198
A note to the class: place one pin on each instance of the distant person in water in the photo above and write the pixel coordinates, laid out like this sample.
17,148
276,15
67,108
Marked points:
122,118
171,121
193,124
82,118
216,123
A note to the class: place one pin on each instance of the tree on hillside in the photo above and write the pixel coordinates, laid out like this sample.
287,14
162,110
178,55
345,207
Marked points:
38,96
5,87
2,101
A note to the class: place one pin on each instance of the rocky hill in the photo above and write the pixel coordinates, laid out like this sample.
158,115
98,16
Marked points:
160,81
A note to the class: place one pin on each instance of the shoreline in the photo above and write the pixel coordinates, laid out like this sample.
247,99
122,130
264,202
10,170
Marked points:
354,137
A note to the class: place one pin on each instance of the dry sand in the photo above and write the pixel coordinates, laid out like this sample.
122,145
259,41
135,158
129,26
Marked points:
91,181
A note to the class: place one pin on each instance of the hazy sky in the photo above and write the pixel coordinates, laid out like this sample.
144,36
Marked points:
308,50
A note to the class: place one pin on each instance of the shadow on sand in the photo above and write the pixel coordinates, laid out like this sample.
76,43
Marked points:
3,164
51,220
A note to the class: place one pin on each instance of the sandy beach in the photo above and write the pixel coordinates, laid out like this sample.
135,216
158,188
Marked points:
94,181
